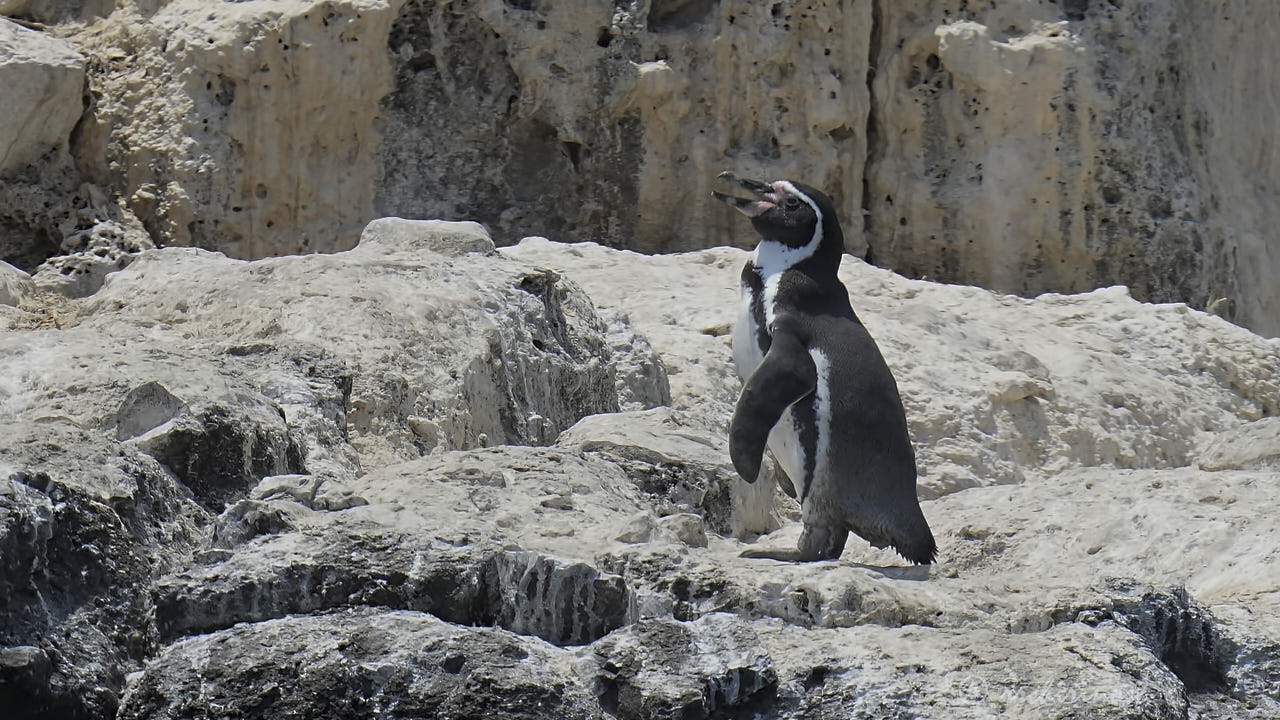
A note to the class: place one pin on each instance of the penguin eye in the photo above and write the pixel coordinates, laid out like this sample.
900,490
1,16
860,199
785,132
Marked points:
792,203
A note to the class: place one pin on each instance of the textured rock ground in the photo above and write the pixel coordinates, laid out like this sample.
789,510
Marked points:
1024,146
260,489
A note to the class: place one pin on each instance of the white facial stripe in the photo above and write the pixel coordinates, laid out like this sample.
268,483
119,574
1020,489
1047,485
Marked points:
823,410
771,259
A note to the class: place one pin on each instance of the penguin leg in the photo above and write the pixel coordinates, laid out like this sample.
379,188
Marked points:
786,374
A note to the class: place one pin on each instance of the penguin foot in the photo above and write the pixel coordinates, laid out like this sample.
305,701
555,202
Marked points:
783,554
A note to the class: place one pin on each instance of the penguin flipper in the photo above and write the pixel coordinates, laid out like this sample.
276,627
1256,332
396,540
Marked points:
786,374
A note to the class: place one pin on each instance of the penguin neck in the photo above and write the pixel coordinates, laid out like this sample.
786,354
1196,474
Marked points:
815,258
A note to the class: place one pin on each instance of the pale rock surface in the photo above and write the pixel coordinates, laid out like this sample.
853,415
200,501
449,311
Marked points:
1062,146
1089,562
15,285
1024,146
113,239
43,79
997,388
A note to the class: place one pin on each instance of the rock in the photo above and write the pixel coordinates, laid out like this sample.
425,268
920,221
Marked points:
641,377
85,525
451,239
681,469
870,672
361,663
689,528
311,491
145,408
582,121
562,603
15,285
220,451
41,192
517,357
45,77
256,146
52,11
89,255
248,519
1081,548
1011,148
1255,446
1096,379
661,668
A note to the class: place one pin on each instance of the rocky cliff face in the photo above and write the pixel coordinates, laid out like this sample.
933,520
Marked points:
428,477
1024,146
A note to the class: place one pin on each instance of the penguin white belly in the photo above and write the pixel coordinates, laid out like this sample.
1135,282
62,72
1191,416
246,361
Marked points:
747,355
784,443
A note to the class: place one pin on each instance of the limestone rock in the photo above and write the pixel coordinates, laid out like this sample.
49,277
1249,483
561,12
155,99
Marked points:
45,78
361,663
681,466
475,345
1095,379
1023,146
1255,446
1030,147
662,668
15,285
232,128
85,525
1086,565
89,255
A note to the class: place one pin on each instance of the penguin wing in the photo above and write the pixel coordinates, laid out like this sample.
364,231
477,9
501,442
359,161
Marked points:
786,374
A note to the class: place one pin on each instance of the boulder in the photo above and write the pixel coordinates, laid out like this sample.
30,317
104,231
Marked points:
45,78
15,285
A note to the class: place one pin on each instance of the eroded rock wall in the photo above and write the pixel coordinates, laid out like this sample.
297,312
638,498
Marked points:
1041,146
1024,146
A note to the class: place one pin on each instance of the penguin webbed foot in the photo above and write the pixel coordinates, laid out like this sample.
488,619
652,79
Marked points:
782,554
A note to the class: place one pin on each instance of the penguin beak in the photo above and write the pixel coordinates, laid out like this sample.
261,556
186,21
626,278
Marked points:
766,197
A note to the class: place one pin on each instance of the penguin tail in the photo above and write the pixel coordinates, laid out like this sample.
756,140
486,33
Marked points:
912,540
921,550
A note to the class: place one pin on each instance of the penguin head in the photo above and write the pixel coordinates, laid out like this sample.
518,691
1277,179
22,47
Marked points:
787,212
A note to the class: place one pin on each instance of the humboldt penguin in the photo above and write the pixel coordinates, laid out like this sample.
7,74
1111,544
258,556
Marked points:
816,389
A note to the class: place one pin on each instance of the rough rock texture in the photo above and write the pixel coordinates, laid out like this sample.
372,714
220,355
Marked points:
45,79
1037,146
192,386
1100,477
85,523
266,128
361,663
1025,145
252,489
15,285
991,396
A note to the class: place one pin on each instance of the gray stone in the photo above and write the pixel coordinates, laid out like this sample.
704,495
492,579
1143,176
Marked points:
451,239
85,525
1254,446
45,78
360,663
15,285
146,407
667,669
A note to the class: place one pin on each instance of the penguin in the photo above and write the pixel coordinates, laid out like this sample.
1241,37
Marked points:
817,391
